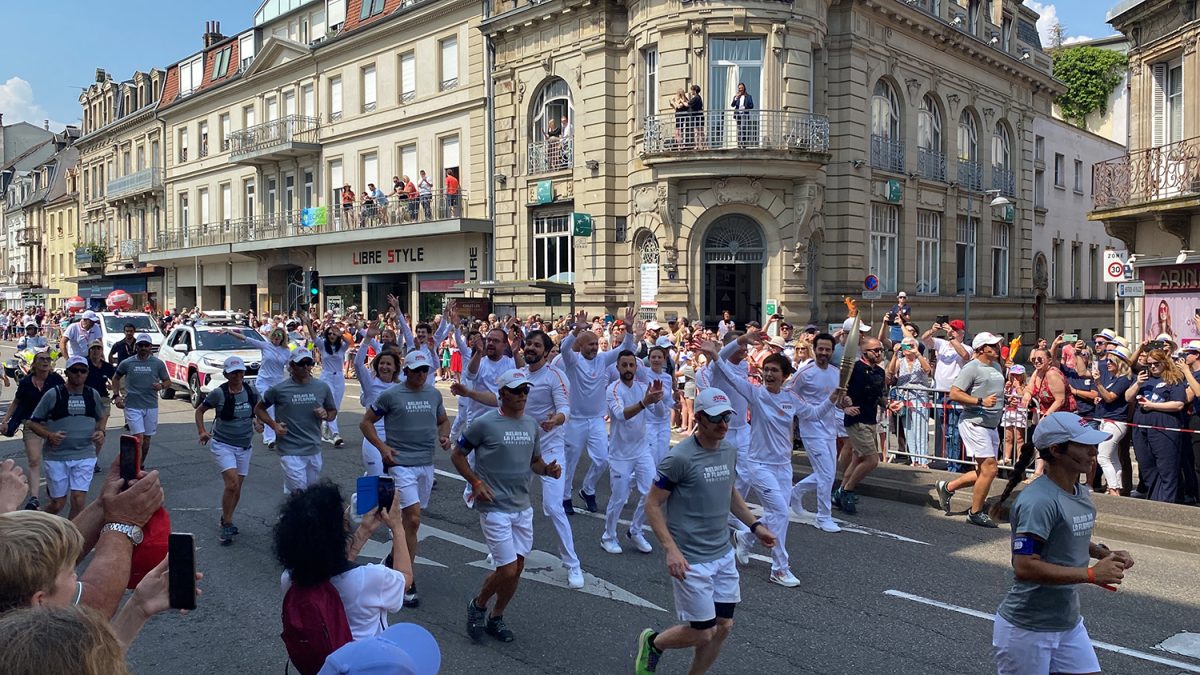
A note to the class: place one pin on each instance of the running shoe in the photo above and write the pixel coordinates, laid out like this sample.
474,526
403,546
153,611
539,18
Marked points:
498,629
639,541
271,446
827,525
589,501
849,499
784,578
574,578
740,551
476,620
33,504
980,518
610,545
226,536
647,655
234,529
836,499
568,507
410,597
944,494
337,441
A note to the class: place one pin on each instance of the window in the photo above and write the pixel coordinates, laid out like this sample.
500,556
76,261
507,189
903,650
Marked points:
306,197
370,169
553,251
887,148
249,190
370,8
551,147
449,50
449,156
1006,26
221,66
335,98
245,51
272,108
969,173
289,104
1094,271
965,261
307,101
929,251
1039,189
1079,175
226,202
1039,149
1076,270
408,163
336,182
183,211
183,145
1060,179
1166,103
202,201
337,12
1003,178
272,195
368,89
650,78
408,77
732,61
929,125
885,225
191,74
248,117
226,129
203,140
1055,255
1000,237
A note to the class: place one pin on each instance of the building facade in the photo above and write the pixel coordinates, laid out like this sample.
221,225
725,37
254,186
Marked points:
263,129
878,129
62,228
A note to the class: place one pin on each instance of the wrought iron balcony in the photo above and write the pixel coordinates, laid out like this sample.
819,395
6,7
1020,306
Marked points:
1004,180
1148,175
28,278
126,250
284,138
887,154
552,154
931,164
970,175
28,235
137,183
702,132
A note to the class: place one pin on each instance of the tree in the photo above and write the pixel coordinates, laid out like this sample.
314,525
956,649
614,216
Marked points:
1057,34
1091,74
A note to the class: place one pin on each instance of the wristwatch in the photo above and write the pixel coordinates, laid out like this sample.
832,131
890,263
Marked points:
978,401
132,531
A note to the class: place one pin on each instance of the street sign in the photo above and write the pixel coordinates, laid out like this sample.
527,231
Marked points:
871,283
1116,266
1131,289
872,295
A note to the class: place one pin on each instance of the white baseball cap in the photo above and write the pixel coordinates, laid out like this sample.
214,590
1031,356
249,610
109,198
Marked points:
849,323
234,363
713,401
663,341
653,325
417,358
90,315
985,338
1107,334
1061,427
902,294
143,337
77,361
778,342
513,379
300,354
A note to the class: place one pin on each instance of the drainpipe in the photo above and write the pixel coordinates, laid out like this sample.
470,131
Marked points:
490,133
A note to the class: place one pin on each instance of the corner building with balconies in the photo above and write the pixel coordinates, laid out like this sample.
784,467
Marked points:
878,128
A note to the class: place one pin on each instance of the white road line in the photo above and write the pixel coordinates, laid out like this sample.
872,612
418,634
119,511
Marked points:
1116,649
1184,644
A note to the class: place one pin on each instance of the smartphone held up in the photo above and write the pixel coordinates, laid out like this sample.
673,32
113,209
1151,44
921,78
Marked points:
181,570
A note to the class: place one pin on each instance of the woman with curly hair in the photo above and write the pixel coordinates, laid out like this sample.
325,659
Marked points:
314,544
1160,394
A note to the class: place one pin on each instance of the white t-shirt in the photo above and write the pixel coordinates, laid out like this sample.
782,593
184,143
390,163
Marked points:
949,363
369,593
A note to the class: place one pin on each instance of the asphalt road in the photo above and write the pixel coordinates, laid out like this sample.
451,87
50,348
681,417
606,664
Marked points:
869,601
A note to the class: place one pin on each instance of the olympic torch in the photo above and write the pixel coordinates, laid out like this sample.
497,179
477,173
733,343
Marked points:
849,354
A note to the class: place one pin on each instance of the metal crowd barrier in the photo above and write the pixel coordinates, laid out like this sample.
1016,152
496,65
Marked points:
927,426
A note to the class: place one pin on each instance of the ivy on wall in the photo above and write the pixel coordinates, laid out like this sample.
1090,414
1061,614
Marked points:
1091,74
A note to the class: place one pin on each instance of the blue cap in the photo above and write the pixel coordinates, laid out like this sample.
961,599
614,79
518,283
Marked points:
403,649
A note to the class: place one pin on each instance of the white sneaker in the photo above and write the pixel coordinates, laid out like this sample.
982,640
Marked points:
739,548
575,577
610,545
796,502
490,561
827,525
639,542
784,578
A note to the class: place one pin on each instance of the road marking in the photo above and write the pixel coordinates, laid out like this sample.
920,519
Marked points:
1184,644
1116,649
378,550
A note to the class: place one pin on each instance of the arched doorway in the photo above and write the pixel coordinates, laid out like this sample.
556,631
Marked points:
734,258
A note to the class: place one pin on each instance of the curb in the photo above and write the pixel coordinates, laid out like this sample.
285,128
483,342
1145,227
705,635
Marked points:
1136,521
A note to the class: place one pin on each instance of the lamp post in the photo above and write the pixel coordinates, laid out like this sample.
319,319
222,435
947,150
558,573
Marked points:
969,289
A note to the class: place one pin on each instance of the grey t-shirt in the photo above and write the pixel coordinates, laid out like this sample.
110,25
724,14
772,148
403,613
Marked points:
982,381
700,482
77,425
294,405
239,431
410,422
139,377
504,447
1064,521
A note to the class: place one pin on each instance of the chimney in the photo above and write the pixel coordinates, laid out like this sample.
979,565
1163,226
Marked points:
46,125
212,33
1,119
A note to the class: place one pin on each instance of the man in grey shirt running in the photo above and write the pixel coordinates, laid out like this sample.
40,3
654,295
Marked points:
507,454
144,375
302,403
71,419
232,435
979,386
695,485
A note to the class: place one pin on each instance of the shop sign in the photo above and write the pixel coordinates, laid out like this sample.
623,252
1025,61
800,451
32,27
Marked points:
895,191
423,254
1171,277
581,224
545,192
388,256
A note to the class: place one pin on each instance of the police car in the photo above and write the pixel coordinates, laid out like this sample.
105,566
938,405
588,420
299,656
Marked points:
195,354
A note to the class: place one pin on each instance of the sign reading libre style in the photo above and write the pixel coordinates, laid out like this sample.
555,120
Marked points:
388,256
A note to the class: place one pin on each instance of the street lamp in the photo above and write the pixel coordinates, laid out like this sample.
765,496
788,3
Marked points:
997,200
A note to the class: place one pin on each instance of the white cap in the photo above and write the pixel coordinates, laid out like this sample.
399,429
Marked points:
300,354
1107,334
985,338
653,325
143,337
78,361
417,358
1061,427
513,379
663,341
90,315
849,323
902,294
1164,337
31,324
713,401
235,363
778,342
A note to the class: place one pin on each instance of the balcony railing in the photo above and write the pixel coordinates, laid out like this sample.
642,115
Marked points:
970,175
287,224
138,182
27,278
87,257
887,154
127,249
552,154
279,135
931,164
736,130
29,235
1005,181
1147,175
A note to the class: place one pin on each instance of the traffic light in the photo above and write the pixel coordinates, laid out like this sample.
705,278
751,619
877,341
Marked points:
312,283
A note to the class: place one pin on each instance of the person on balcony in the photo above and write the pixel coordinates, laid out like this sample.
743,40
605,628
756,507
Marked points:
742,104
347,204
553,136
695,118
399,195
451,193
679,103
425,190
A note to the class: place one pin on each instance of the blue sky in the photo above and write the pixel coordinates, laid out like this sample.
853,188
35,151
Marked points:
50,51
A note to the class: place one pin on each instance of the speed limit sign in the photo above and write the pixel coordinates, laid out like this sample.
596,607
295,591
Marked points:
1116,266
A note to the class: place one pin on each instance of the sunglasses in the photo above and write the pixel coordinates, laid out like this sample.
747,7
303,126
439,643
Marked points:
77,371
522,390
874,349
723,418
422,369
305,363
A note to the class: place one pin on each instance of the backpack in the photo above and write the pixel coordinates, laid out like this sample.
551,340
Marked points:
228,402
62,396
314,625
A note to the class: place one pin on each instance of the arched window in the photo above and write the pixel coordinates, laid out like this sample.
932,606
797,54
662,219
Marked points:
551,128
929,125
1000,147
887,148
968,137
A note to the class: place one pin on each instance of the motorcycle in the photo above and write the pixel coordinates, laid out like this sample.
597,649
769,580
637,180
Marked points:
21,364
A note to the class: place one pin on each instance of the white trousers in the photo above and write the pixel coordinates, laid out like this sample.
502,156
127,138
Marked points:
552,499
624,475
372,459
262,386
773,485
740,437
338,386
1108,456
822,455
586,432
658,438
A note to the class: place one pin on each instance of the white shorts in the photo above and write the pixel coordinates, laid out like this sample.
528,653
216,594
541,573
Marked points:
72,474
413,483
1020,652
142,421
704,585
300,471
231,457
508,535
979,442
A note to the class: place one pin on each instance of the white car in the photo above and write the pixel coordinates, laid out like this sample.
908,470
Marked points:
112,328
195,354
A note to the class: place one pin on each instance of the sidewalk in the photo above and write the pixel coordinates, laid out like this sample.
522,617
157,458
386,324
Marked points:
1137,521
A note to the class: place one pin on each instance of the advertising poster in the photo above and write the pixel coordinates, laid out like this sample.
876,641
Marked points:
1175,315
